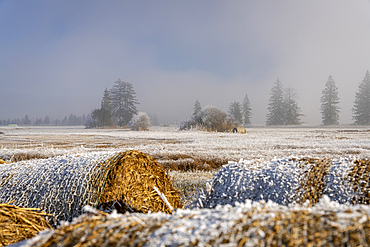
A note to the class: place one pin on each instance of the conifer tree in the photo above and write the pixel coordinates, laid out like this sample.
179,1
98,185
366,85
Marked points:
123,102
46,120
27,121
235,111
361,107
246,110
276,113
64,121
197,108
155,120
197,114
292,112
106,109
329,103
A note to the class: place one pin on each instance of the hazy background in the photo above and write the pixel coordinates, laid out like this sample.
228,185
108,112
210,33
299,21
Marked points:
57,57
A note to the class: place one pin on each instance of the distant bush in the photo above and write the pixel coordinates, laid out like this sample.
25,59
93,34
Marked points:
209,119
141,121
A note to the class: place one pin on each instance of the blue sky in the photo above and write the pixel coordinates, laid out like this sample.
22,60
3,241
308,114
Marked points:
57,57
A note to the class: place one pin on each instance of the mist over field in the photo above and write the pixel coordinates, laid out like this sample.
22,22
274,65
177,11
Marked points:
58,57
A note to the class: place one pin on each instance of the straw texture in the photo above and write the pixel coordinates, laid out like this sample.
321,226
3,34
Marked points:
17,224
62,186
247,224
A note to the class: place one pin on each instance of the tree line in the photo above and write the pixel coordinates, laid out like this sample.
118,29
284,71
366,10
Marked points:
117,108
48,121
283,109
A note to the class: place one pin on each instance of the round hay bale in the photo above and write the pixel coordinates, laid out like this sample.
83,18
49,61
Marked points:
18,224
247,224
133,183
62,185
288,180
359,176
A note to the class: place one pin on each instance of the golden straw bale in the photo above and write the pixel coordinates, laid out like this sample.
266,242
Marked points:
255,225
63,185
313,180
288,180
17,224
132,182
360,179
100,229
3,162
240,130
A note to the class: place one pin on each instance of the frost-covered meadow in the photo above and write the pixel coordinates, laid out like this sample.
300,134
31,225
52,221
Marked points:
276,164
164,142
173,148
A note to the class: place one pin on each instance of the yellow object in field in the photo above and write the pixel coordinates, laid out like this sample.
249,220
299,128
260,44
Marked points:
3,162
18,224
240,130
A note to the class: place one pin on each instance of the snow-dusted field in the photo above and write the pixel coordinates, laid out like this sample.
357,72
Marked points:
252,160
167,144
258,143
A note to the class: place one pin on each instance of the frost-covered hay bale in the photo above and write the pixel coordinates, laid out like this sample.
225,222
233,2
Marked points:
289,180
276,180
326,177
247,224
17,224
312,179
133,181
342,180
359,177
62,185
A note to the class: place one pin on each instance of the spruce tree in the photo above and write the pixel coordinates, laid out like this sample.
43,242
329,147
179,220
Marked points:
292,112
246,110
123,102
155,120
64,121
276,113
72,120
106,109
361,107
46,120
235,111
95,119
329,103
27,121
197,108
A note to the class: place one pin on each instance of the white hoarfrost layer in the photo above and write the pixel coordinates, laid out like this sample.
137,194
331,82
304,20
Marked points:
204,226
257,143
337,186
278,180
60,185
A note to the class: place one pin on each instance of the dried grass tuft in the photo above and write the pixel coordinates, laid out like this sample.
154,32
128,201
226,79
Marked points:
183,162
18,224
